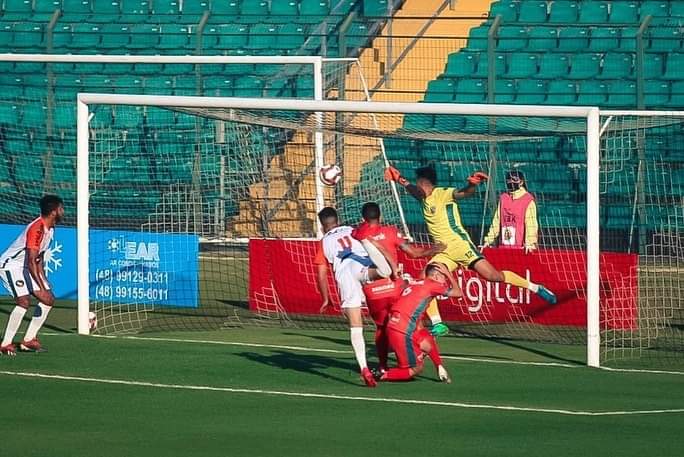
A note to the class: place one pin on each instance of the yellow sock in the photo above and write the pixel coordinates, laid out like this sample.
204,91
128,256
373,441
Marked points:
515,279
433,312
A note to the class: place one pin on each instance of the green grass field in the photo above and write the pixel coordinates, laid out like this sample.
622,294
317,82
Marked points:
291,392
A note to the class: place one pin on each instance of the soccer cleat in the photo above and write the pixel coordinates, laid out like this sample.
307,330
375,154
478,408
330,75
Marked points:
368,377
547,295
439,329
32,346
8,349
443,374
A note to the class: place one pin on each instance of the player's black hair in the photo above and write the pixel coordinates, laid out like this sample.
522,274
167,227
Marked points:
431,268
516,175
370,211
326,214
428,173
49,203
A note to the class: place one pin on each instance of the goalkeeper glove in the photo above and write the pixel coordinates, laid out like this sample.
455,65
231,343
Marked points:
477,178
529,248
392,174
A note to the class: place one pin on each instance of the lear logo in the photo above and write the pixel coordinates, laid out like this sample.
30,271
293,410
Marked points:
52,260
114,244
142,251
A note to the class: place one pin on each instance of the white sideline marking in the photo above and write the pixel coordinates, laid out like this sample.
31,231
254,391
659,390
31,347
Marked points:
338,397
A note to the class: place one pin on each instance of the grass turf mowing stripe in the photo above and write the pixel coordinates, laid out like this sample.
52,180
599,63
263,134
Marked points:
337,397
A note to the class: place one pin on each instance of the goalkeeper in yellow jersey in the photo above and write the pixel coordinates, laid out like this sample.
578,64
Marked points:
443,221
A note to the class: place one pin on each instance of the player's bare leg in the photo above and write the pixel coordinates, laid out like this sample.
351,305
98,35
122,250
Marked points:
488,272
355,319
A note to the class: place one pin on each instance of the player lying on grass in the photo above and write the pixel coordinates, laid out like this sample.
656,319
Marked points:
443,221
352,267
407,336
382,293
23,274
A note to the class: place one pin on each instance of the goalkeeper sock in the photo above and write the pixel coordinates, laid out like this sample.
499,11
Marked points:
434,352
397,374
39,318
359,346
516,280
13,324
433,312
381,346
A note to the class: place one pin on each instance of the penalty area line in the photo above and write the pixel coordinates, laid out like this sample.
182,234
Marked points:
328,396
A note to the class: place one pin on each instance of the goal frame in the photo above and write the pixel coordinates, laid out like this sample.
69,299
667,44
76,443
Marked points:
591,114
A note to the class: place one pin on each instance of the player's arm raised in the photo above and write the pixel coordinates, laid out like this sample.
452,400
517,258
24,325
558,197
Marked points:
415,252
392,174
474,180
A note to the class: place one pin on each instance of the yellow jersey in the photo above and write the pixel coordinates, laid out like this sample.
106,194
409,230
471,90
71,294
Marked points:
442,216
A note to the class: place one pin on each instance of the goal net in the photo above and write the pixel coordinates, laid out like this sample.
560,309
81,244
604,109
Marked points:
214,225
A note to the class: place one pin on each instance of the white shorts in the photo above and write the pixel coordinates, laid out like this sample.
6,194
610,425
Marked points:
19,282
350,278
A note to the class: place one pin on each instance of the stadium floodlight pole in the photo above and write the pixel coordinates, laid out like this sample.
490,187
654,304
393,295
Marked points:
590,114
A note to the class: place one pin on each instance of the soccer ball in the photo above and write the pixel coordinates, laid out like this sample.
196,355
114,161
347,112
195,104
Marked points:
330,174
92,321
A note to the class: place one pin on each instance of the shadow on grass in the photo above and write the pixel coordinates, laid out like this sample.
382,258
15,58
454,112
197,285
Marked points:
309,364
339,341
9,306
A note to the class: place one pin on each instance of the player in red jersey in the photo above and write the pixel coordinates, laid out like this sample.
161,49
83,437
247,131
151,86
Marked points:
23,274
381,293
406,334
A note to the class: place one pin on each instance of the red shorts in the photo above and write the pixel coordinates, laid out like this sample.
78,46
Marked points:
380,295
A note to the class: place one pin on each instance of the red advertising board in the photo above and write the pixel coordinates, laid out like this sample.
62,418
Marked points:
282,276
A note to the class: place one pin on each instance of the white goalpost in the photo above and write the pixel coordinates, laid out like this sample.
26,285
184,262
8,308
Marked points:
324,120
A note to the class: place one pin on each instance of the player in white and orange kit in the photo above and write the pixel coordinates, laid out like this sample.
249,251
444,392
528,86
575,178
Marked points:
23,275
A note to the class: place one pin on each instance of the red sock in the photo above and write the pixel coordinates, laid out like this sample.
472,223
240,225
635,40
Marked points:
397,374
381,345
434,352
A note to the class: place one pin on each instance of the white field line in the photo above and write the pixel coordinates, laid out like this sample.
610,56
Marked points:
345,351
329,396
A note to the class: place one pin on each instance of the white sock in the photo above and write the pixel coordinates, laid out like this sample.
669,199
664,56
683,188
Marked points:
436,319
359,346
39,317
533,287
13,324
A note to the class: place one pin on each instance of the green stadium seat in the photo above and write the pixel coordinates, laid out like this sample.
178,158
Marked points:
106,10
304,87
137,11
440,91
262,36
471,91
64,171
522,65
166,11
676,95
86,37
561,92
659,10
144,37
9,113
357,35
231,36
185,85
67,86
530,92
114,37
677,9
483,65
284,11
313,11
418,122
17,10
506,9
224,11
592,93
159,117
653,66
249,86
624,12
511,38
593,12
76,10
175,39
34,115
628,42
128,84
128,117
278,87
533,11
158,85
563,12
616,66
604,39
252,12
290,36
61,38
44,9
477,38
195,10
504,91
460,64
656,93
542,39
674,67
573,39
622,94
447,123
28,37
147,69
29,67
554,66
96,83
584,66
28,170
65,117
665,39
220,86
179,68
